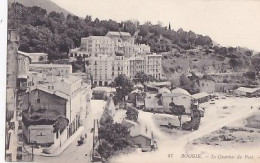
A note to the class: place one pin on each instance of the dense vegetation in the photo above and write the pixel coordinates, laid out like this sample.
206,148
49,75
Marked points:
114,137
56,34
132,114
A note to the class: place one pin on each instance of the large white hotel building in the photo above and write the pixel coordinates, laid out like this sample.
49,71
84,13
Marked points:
108,56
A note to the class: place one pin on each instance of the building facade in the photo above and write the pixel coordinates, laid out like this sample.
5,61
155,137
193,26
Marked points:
207,86
108,56
98,45
56,95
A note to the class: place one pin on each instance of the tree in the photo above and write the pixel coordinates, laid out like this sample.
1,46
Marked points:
132,114
115,134
195,119
88,18
142,77
123,86
194,88
255,62
185,82
60,124
41,58
235,62
177,110
105,149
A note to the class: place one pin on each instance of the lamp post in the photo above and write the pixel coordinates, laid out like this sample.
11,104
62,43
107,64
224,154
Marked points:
33,143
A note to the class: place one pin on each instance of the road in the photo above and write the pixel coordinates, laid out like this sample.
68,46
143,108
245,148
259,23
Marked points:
167,145
75,153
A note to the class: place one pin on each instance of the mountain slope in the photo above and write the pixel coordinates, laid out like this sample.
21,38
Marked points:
48,5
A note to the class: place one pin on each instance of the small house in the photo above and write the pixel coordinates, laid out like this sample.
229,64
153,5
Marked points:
142,137
248,92
207,86
201,97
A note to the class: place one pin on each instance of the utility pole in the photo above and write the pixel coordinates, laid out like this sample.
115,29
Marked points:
32,154
93,148
98,138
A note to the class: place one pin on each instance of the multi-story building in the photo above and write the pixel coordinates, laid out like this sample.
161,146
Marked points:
120,39
54,69
133,65
57,95
100,69
137,49
93,46
117,66
154,65
108,56
97,45
104,69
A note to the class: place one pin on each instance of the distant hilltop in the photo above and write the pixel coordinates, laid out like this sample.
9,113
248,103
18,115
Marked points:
48,5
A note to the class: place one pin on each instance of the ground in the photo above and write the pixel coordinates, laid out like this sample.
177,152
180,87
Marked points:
227,111
75,153
223,124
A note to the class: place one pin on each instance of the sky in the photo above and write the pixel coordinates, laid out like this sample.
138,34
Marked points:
228,22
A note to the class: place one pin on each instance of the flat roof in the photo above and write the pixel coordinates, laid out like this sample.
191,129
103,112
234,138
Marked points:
200,95
31,54
115,33
50,65
96,37
249,90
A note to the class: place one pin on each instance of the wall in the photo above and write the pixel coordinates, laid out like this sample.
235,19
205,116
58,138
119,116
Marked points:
178,100
143,141
53,69
48,101
23,66
41,134
207,86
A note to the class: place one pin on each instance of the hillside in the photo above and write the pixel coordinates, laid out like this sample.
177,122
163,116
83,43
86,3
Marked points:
208,60
48,5
55,34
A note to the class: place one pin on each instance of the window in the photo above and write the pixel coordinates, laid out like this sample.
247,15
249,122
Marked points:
38,100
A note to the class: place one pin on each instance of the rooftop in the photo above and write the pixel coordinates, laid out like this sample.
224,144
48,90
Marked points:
248,90
129,123
106,89
200,95
50,65
151,101
164,90
31,54
180,91
115,33
45,89
71,79
96,37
